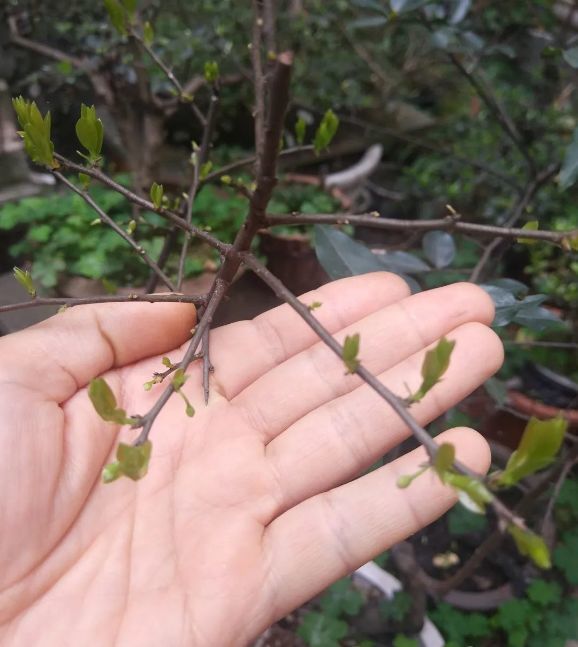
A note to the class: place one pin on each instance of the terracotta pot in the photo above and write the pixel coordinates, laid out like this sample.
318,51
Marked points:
291,257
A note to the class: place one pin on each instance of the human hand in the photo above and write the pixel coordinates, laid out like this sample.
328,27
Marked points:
251,507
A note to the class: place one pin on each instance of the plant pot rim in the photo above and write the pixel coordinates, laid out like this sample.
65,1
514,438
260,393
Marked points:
531,407
389,585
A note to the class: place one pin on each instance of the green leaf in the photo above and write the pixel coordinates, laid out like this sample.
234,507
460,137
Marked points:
134,459
90,132
25,279
444,458
167,362
569,171
537,449
341,598
314,306
156,193
211,71
179,378
435,364
326,131
571,56
472,494
405,480
463,522
111,472
84,180
566,556
189,410
104,402
130,6
206,168
116,14
531,545
35,132
532,225
544,593
148,33
319,630
300,129
350,352
403,641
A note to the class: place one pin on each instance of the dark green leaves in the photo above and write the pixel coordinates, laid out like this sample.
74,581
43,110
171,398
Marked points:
25,279
539,446
320,630
104,402
531,545
156,193
439,248
569,171
326,131
35,132
211,71
341,256
90,133
435,364
350,352
131,461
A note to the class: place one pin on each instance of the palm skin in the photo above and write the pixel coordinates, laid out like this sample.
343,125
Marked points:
251,507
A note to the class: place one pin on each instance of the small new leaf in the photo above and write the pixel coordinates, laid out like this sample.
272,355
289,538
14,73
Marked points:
111,472
35,132
179,378
435,364
314,306
148,33
532,545
116,14
538,447
90,133
133,460
206,168
131,227
156,193
167,362
532,225
444,459
104,402
211,70
405,480
23,277
300,129
350,352
472,494
326,131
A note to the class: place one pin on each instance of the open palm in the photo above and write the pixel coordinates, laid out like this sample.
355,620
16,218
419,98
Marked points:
251,507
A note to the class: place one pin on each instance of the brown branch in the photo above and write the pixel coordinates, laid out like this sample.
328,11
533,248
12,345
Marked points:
169,241
42,49
167,71
147,421
258,80
104,217
517,212
270,26
207,366
247,161
449,223
395,402
173,217
201,157
134,297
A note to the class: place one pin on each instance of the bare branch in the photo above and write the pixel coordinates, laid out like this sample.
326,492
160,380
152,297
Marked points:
104,217
258,79
133,297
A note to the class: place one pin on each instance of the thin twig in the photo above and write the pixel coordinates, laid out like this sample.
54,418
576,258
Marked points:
147,421
258,80
134,297
182,95
201,157
175,218
449,223
104,217
207,366
395,402
541,344
517,212
164,256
